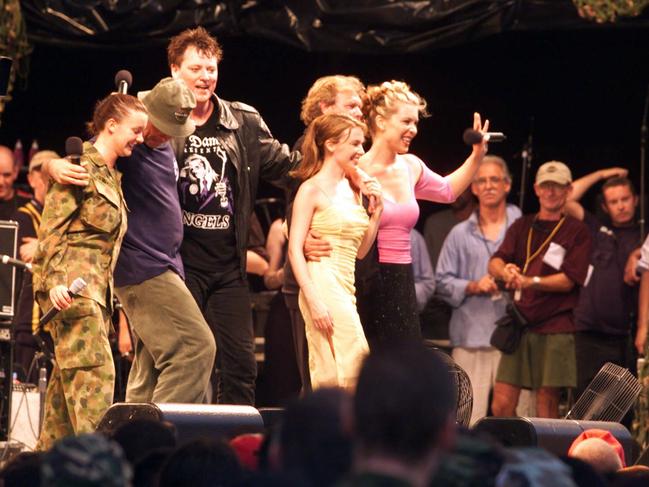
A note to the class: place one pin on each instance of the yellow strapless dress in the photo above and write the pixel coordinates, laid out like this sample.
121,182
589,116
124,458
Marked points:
336,360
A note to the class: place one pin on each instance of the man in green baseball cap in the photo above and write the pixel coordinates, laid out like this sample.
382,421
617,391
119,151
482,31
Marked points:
169,104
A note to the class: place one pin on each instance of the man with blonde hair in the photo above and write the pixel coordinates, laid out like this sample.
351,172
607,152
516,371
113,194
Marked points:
333,94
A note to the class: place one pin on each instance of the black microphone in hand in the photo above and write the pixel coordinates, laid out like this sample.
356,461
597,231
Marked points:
472,137
123,80
77,286
74,149
5,259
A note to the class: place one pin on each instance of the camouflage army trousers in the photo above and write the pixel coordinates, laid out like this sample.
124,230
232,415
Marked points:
81,387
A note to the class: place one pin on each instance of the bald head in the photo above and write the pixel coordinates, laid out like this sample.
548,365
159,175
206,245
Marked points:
598,454
6,155
8,173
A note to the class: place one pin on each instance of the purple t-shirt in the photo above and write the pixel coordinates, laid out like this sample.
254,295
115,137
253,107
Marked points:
155,228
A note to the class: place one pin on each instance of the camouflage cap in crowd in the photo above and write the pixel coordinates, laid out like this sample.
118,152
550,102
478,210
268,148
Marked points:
534,467
84,461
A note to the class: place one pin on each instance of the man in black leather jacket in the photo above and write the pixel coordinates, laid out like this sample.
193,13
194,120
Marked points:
236,148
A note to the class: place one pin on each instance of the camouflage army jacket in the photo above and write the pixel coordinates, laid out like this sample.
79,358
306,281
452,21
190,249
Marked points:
81,232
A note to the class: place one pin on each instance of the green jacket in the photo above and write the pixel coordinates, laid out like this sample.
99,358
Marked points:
81,232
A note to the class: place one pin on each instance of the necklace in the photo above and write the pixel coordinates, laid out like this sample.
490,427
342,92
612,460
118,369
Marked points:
529,256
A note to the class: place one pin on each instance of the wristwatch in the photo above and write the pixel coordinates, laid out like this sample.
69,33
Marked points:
536,280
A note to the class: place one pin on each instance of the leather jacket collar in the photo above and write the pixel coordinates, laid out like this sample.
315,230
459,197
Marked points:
226,118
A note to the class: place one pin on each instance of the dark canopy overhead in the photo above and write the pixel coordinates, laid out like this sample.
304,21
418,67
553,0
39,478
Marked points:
364,26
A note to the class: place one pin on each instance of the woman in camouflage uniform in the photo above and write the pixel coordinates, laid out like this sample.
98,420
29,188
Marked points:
80,236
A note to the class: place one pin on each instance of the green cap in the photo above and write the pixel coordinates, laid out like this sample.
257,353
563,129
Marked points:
169,104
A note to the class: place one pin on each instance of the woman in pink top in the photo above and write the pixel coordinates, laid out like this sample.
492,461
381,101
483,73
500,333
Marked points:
387,301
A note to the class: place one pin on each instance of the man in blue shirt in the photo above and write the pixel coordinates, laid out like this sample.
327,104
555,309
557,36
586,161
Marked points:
605,313
175,349
463,281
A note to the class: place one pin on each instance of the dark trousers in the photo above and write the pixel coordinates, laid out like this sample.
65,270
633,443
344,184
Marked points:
279,379
299,340
224,300
594,349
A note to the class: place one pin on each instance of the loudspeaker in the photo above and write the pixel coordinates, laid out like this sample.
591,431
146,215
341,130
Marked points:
8,244
271,416
555,435
192,421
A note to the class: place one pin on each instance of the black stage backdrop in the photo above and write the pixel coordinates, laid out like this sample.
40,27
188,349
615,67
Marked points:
584,89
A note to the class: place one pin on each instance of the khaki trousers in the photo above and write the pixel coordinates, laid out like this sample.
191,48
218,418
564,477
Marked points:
174,347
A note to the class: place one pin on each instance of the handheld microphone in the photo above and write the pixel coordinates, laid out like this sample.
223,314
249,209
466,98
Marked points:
77,286
472,137
5,259
123,80
74,149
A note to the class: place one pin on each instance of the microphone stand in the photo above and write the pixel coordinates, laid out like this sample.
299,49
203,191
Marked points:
526,164
643,151
42,389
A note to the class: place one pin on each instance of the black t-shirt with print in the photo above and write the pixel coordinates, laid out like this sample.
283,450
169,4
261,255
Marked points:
206,186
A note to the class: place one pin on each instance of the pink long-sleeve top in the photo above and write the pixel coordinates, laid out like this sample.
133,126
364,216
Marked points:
397,219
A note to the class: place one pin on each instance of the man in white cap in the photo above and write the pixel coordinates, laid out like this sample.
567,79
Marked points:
543,260
174,347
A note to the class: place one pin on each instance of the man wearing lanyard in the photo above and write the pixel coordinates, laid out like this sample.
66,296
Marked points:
544,258
463,282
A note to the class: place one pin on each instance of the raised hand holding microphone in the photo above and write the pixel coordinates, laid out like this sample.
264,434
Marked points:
472,137
479,143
